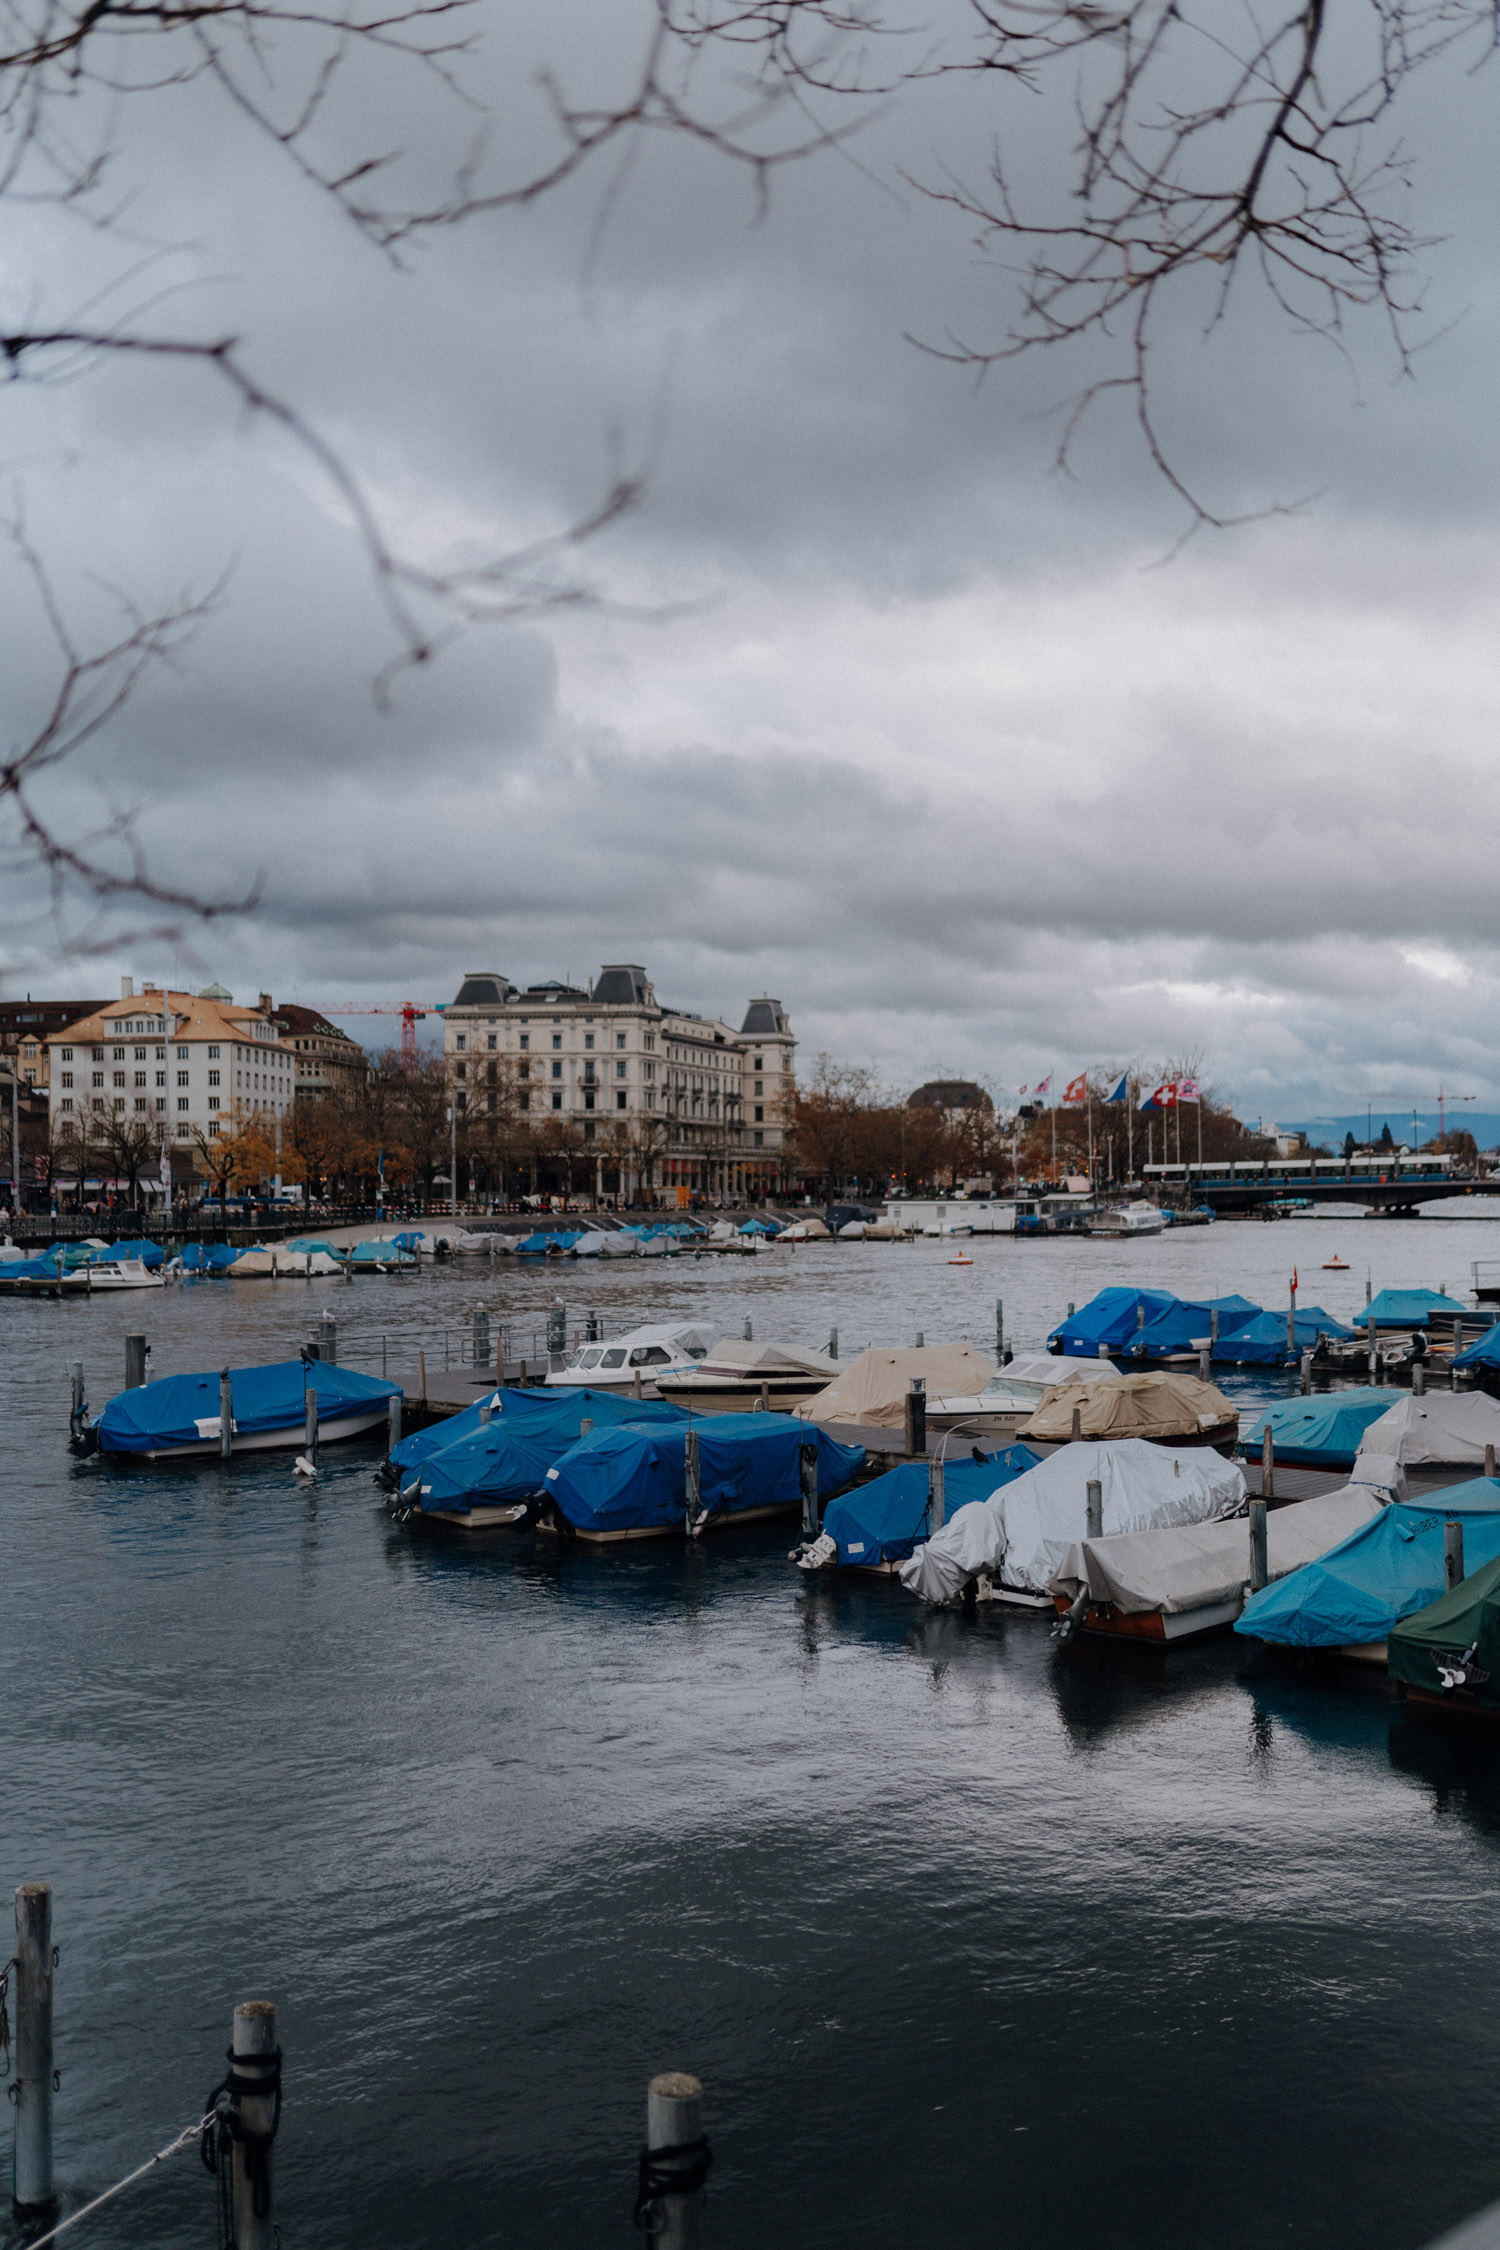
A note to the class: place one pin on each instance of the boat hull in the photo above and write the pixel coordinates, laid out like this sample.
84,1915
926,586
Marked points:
731,1397
289,1439
1161,1627
674,1530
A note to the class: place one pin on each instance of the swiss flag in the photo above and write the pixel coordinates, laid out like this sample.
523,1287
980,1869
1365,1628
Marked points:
1076,1092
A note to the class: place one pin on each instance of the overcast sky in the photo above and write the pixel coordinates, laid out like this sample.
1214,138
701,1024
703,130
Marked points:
885,718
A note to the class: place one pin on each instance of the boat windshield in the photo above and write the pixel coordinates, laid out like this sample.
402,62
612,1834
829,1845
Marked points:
613,1359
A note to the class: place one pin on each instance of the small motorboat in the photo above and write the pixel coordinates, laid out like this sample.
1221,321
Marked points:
179,1414
638,1356
123,1273
1335,1264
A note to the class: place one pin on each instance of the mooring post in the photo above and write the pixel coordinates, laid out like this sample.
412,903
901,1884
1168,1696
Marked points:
1458,1338
999,1332
1140,1316
1203,1359
1370,1339
1306,1383
32,2092
1260,1568
585,1425
1268,1466
392,1422
921,1340
226,1415
1076,1432
310,1434
691,1484
675,2162
638,1391
1453,1552
1094,1503
833,1343
481,1336
748,1335
135,1362
1101,1351
1419,1380
485,1413
807,1477
916,1416
1213,1329
1489,1460
763,1403
937,1494
1291,1329
422,1375
255,2062
1072,1308
80,1399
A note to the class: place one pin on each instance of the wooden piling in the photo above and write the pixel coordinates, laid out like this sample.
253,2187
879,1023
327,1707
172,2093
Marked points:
833,1343
135,1362
1094,1505
1268,1466
937,1496
691,1482
393,1422
1075,1434
807,1477
485,1412
329,1339
256,2062
675,2150
1489,1460
32,2183
748,1335
1419,1380
422,1375
1306,1381
226,1415
80,1399
310,1432
916,1417
1203,1363
1260,1568
1453,1553
999,1332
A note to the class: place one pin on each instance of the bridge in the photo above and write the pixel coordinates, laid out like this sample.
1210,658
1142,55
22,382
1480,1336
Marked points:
1395,1189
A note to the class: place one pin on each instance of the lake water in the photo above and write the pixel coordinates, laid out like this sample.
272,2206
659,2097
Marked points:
971,1939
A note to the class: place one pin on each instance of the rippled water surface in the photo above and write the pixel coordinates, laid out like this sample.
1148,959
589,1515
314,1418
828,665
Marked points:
971,1941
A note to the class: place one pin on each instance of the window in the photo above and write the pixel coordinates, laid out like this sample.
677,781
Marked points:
96,1054
588,1074
182,1077
460,1070
588,1132
213,1101
183,1130
161,1054
524,1070
619,1038
492,1041
588,1101
140,1078
760,1115
523,1101
620,1100
159,1103
460,1043
98,1077
757,1064
620,1069
67,1079
760,1085
213,1054
462,1103
118,1076
117,1054
65,1103
139,1102
588,1039
649,1042
557,1101
161,1078
525,1041
213,1080
556,1040
557,1070
140,1054
119,1101
97,1102
650,1071
760,1140
67,1054
182,1101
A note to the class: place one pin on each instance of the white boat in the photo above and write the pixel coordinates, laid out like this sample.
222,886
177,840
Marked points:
1010,1397
736,1375
644,1353
123,1273
1128,1220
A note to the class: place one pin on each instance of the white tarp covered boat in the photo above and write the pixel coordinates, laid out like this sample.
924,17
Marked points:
1013,1395
873,1387
1439,1429
737,1372
1184,1579
1021,1536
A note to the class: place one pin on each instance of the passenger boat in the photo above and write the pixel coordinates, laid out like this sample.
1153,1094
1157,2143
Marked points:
670,1348
1128,1221
179,1414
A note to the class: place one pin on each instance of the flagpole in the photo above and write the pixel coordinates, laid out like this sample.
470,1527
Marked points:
1130,1094
1089,1102
1052,1099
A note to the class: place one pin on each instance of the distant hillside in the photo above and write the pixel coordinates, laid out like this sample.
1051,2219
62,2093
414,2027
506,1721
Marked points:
1484,1125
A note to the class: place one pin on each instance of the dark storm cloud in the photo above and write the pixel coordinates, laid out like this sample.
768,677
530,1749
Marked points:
938,757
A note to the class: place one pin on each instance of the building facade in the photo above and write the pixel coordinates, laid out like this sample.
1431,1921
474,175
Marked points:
328,1061
662,1098
183,1062
26,1025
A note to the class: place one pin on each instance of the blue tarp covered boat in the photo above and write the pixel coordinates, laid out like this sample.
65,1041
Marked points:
1387,1570
627,1483
208,1257
1486,1353
149,1253
506,1461
1410,1308
1110,1319
1321,1433
881,1522
1262,1342
558,1414
180,1413
379,1255
1187,1323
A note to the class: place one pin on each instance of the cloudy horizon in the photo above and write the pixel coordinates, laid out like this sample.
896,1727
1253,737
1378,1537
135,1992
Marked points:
960,758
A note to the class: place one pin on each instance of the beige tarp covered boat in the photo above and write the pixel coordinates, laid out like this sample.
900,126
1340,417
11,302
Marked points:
1161,1406
873,1387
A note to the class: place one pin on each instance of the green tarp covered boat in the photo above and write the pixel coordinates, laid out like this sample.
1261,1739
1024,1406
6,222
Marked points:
1449,1653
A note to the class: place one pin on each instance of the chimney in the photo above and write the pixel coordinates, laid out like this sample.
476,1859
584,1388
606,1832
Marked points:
266,1007
127,988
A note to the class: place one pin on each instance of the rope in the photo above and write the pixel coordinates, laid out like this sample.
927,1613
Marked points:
678,2169
185,2139
222,2127
12,1963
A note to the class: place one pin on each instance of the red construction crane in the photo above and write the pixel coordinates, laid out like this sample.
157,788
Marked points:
411,1013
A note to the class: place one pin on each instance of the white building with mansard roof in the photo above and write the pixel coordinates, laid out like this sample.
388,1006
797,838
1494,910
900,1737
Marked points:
666,1099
